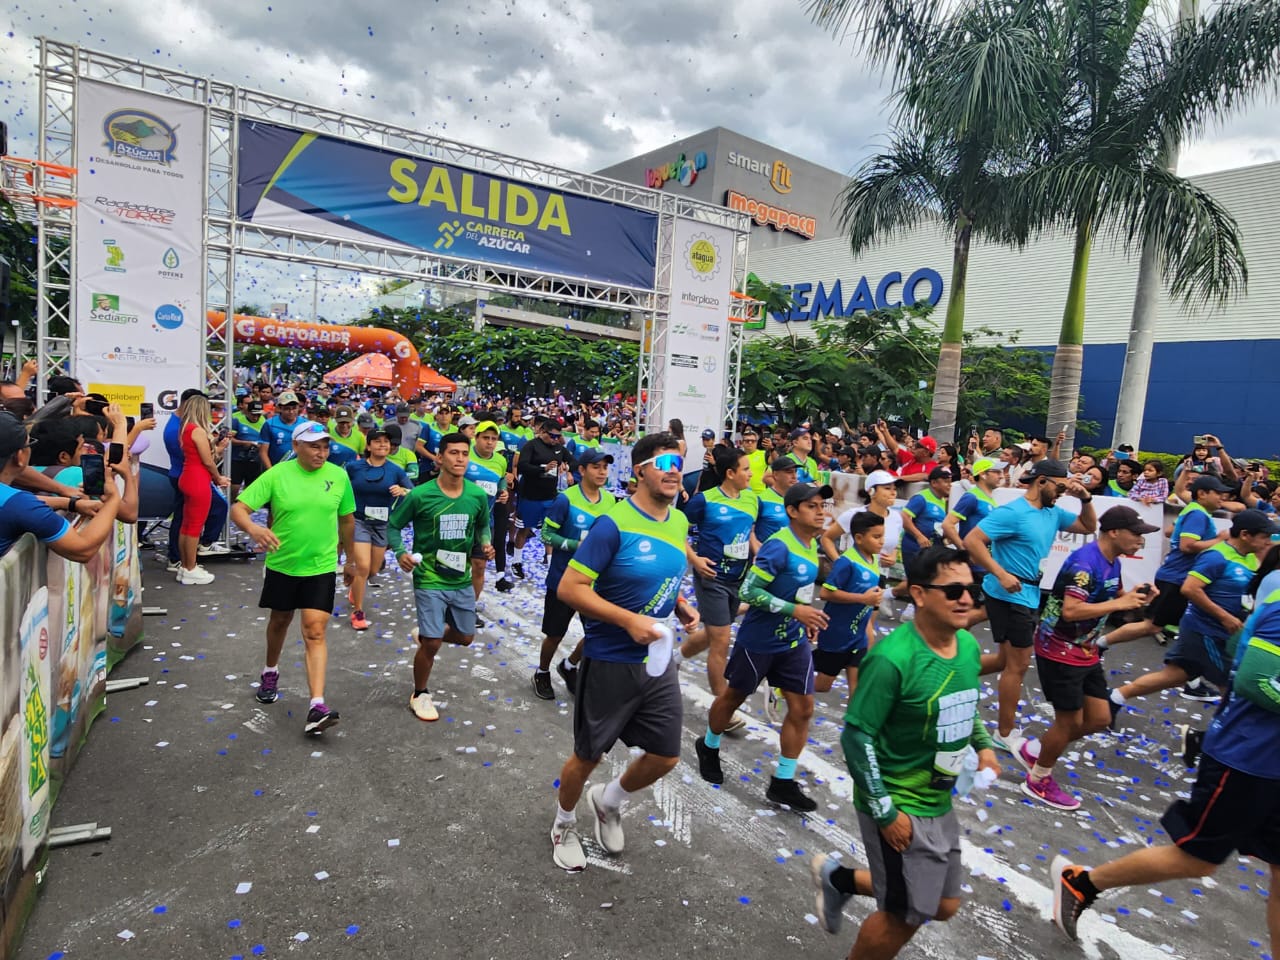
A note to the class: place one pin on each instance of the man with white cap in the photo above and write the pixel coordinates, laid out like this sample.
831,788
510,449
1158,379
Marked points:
312,507
277,432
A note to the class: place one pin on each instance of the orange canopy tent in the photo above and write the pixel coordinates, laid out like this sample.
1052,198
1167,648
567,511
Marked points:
374,369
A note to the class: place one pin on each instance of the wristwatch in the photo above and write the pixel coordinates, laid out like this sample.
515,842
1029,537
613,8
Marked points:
71,504
1083,500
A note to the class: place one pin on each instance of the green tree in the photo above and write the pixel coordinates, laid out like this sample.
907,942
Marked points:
18,247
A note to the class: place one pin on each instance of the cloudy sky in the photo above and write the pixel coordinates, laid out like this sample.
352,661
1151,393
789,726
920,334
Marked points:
578,85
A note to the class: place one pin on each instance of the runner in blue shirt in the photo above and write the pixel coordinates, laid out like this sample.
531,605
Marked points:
1193,533
377,483
853,591
773,512
277,432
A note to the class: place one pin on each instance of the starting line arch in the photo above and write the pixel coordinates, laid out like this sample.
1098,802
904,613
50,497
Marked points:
284,180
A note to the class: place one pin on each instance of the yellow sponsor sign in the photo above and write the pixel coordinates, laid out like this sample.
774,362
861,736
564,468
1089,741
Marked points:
129,398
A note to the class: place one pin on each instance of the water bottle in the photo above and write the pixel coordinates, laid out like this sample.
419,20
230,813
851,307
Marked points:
660,651
970,777
416,558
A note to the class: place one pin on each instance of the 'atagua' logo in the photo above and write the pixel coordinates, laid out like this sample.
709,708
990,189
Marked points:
702,257
142,136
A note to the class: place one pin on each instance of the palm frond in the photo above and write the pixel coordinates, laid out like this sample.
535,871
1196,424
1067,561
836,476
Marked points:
889,33
894,191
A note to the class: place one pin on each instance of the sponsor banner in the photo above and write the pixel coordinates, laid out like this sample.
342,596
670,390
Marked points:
289,179
698,331
139,312
130,398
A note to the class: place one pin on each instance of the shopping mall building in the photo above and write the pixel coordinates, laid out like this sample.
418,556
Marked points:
1227,355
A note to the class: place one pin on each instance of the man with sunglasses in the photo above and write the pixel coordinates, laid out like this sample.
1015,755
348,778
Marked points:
625,581
540,464
909,726
1010,544
758,457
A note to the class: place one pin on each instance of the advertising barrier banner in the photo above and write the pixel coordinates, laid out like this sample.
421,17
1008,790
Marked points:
698,331
139,316
293,180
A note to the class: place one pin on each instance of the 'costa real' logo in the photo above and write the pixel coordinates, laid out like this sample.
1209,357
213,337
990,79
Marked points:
702,257
168,317
139,135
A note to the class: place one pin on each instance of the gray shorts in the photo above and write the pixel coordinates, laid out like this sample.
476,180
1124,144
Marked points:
911,885
372,532
620,701
717,601
436,608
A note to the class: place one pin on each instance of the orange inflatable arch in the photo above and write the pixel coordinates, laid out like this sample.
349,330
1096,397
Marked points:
330,336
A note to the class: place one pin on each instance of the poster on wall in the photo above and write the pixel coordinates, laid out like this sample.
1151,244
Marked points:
698,331
139,290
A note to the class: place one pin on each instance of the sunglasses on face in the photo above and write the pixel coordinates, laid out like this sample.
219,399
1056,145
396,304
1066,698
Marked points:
954,591
665,462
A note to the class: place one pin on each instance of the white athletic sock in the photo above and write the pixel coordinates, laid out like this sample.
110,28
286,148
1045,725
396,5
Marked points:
614,796
1103,643
270,669
1118,698
317,701
564,816
569,665
1039,773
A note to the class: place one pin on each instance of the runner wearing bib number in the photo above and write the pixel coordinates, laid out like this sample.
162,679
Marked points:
376,482
853,591
773,643
449,516
487,469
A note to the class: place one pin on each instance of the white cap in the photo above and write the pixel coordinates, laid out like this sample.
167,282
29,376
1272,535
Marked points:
309,432
879,478
837,433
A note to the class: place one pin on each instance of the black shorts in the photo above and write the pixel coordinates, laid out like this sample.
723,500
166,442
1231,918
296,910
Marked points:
285,593
790,669
1200,655
556,616
832,663
1012,623
1066,685
1228,812
717,601
1168,606
244,472
620,701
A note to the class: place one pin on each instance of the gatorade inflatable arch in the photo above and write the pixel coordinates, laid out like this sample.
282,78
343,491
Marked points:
330,336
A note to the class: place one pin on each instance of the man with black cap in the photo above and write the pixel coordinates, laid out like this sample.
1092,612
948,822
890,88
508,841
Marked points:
1010,544
348,443
246,424
1215,588
773,509
540,464
1069,645
773,644
707,476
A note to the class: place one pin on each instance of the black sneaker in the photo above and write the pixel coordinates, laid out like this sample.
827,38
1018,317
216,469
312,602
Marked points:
708,762
268,687
518,569
1198,690
319,719
1190,740
789,792
504,585
570,677
542,685
1113,726
1069,900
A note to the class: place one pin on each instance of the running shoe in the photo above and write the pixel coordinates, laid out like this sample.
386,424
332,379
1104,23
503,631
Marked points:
909,613
608,822
504,585
319,719
774,706
1191,741
174,567
708,762
1048,792
212,550
358,622
570,677
197,576
423,708
886,608
566,848
830,901
1200,691
736,723
1010,743
1025,756
268,687
542,685
788,792
1069,902
1116,709
518,569
480,624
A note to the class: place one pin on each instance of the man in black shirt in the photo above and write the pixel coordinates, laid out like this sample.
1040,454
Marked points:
542,460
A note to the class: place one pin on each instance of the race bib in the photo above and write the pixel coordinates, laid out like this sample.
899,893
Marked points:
805,594
376,513
488,486
947,765
452,559
737,551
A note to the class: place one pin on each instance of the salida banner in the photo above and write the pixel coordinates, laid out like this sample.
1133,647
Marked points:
289,179
62,625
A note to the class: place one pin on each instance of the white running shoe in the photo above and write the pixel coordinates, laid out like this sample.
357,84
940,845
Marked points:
1013,743
608,822
909,613
566,848
174,567
212,549
196,575
423,708
886,607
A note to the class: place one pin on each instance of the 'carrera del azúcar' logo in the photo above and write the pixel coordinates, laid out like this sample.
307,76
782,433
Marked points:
139,135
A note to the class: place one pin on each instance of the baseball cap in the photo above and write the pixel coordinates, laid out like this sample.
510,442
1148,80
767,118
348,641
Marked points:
377,434
13,435
1209,482
782,463
467,421
1054,469
286,398
393,432
939,473
929,444
309,432
1253,521
403,409
837,433
344,414
365,420
594,455
805,491
880,478
486,427
255,406
708,434
983,465
1125,518
797,433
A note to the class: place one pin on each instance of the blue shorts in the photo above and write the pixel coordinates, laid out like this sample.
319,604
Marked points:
436,608
1199,654
533,512
790,670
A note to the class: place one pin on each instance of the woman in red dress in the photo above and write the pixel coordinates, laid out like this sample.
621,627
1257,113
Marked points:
199,470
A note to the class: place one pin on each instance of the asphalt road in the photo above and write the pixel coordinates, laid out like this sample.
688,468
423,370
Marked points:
235,836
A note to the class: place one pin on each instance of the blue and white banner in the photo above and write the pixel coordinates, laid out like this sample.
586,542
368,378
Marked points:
292,180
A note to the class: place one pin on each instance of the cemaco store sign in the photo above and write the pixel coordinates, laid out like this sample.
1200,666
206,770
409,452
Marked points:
813,301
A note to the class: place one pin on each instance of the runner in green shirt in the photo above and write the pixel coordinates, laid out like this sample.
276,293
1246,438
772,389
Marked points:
312,506
450,520
402,456
909,727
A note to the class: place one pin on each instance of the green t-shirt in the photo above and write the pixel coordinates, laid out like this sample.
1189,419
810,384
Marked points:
407,460
355,440
920,711
445,531
305,507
